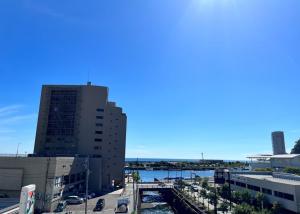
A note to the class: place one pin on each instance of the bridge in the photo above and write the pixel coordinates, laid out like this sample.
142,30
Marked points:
171,195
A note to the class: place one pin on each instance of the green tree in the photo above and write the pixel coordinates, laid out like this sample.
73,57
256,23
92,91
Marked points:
237,197
136,176
276,208
264,211
260,198
198,179
204,183
224,207
245,196
225,191
203,194
292,170
213,199
296,149
243,209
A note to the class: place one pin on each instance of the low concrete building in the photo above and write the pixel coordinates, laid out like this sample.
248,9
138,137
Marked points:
280,187
54,177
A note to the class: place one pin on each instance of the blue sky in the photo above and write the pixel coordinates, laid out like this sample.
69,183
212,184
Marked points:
212,76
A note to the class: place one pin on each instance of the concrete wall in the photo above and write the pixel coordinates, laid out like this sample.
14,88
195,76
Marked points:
11,179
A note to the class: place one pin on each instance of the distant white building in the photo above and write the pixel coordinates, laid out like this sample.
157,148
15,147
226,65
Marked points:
277,162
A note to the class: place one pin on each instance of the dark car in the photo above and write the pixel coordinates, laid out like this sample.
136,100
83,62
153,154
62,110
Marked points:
100,205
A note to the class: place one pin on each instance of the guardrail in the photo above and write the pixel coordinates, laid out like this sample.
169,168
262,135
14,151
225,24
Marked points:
156,186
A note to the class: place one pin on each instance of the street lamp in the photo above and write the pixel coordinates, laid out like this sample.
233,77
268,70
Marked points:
18,149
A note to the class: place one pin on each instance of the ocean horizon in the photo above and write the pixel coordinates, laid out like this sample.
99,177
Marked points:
174,160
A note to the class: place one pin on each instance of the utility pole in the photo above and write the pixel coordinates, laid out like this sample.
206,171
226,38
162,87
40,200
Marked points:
18,149
230,199
181,176
216,199
87,173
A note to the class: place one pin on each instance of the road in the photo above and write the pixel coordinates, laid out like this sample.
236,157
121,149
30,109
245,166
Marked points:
110,202
198,199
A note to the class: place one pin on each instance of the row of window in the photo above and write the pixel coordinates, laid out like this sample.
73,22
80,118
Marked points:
264,190
284,195
69,179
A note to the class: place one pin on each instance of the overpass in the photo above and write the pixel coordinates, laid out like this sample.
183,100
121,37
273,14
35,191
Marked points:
171,195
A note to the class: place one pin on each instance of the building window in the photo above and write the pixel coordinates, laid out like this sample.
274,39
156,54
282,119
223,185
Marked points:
100,109
62,110
98,132
267,191
99,117
252,187
96,147
284,195
98,140
240,184
57,182
99,124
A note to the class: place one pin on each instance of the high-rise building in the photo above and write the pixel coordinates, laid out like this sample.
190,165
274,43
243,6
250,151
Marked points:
78,120
278,143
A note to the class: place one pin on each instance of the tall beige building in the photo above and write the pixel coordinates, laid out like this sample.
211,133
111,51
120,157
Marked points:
78,120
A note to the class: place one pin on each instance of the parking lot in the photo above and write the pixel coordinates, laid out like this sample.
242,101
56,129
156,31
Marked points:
110,203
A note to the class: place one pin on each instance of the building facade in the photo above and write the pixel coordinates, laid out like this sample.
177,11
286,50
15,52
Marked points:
276,187
278,143
54,177
79,120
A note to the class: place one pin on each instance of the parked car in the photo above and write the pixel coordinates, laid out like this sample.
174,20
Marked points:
91,195
74,199
82,195
100,205
61,206
122,205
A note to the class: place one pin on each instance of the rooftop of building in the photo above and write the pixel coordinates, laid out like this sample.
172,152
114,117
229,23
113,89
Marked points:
282,178
268,156
29,156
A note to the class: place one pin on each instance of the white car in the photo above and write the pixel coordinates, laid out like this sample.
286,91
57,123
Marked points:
74,200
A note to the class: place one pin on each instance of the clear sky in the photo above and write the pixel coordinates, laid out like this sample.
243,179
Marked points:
211,76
